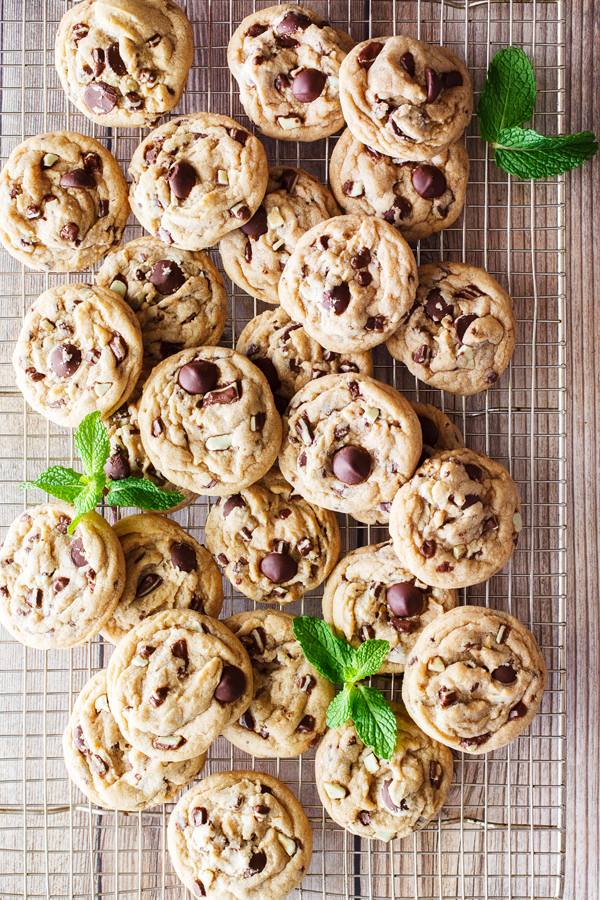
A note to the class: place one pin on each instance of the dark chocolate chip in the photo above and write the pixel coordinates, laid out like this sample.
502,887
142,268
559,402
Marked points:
198,377
504,674
234,502
100,98
99,61
79,31
287,179
430,431
436,307
159,696
348,187
65,360
34,598
60,584
285,42
433,83
447,698
257,863
278,567
518,711
260,419
436,774
490,524
198,816
242,212
257,224
451,79
407,61
147,584
375,323
429,181
351,465
150,154
69,232
77,554
470,500
239,135
306,725
167,277
269,371
102,208
404,599
98,765
256,30
231,686
293,21
181,178
462,324
362,259
474,472
385,796
247,721
78,178
92,162
421,355
308,85
157,427
63,524
428,549
117,466
79,740
146,651
369,54
401,625
183,556
337,298
306,684
248,255
179,649
366,633
282,82
399,210
160,745
114,60
364,817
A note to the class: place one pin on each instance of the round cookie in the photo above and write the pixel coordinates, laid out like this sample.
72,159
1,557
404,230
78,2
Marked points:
240,835
175,681
64,202
349,444
286,62
165,569
371,595
419,198
197,177
290,358
59,590
124,63
255,254
457,520
208,421
79,351
110,772
378,798
178,297
273,545
475,679
460,334
349,281
405,98
439,432
288,712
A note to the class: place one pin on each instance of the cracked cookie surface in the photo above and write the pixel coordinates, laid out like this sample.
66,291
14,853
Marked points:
59,590
64,202
474,679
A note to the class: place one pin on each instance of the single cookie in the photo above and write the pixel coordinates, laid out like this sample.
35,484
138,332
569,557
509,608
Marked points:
178,297
255,254
175,681
379,798
165,569
79,351
208,421
58,590
457,521
475,679
460,334
349,444
273,545
110,772
239,836
288,712
349,281
124,63
371,595
405,98
197,177
64,202
418,198
286,62
439,432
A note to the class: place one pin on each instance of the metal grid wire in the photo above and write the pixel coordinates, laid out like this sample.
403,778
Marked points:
501,833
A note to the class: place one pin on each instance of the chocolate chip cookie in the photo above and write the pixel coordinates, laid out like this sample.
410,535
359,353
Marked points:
64,202
79,351
290,358
419,198
457,521
379,798
124,63
439,432
474,679
459,335
110,772
165,569
175,681
405,98
349,443
208,421
255,254
349,282
286,62
240,835
371,595
288,712
58,590
178,297
273,545
197,177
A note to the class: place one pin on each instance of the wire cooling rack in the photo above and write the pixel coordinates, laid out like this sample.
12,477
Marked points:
501,833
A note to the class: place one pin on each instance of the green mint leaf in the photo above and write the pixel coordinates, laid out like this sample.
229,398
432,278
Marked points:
508,94
374,721
330,655
64,484
527,154
370,656
93,445
340,708
87,500
141,492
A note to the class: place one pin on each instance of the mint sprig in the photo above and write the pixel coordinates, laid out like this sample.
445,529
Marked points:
85,491
339,662
507,101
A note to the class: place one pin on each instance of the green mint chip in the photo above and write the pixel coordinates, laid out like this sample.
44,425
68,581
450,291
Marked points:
374,721
62,483
331,656
340,708
527,154
143,493
93,444
508,96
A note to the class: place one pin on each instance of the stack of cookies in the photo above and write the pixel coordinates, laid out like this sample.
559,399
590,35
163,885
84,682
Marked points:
285,431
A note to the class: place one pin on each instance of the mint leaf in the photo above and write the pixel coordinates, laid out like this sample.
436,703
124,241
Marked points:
141,492
87,500
60,482
508,96
93,444
331,656
527,154
340,708
370,656
374,721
